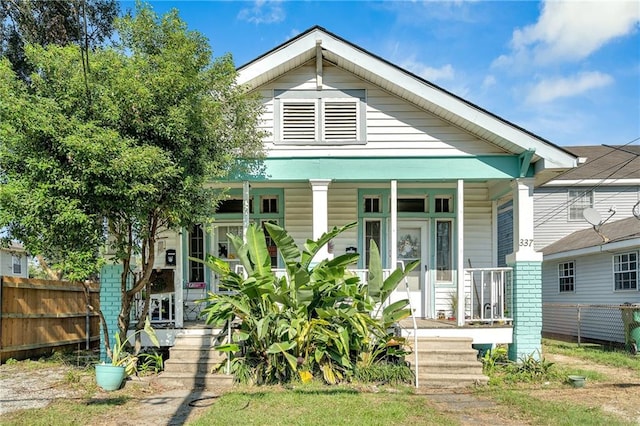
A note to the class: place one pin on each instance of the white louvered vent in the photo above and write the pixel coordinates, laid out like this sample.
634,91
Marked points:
299,121
340,120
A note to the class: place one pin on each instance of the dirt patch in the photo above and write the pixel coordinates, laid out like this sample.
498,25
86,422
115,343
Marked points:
617,393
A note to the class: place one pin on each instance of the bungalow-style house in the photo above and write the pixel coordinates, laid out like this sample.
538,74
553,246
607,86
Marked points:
355,138
598,267
14,261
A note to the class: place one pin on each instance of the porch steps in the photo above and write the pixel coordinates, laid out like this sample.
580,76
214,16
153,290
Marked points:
448,362
192,360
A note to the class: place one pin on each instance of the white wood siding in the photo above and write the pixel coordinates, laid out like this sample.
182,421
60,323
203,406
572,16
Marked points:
6,264
394,127
298,213
551,221
593,286
343,209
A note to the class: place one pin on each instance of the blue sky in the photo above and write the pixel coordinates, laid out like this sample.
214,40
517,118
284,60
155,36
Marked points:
568,71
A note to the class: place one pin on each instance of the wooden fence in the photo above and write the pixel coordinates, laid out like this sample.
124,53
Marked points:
39,316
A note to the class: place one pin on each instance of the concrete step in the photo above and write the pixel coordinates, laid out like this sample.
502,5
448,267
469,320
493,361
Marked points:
190,366
446,354
444,342
195,381
436,380
451,367
185,353
200,340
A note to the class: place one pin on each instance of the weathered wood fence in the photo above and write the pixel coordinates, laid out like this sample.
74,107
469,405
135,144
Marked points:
39,316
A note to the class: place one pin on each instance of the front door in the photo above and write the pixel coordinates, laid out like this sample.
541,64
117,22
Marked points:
412,245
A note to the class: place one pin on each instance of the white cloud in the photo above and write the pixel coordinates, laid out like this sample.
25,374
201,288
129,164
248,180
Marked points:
551,89
572,30
263,12
488,82
445,72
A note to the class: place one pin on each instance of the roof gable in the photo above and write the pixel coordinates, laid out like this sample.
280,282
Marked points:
443,104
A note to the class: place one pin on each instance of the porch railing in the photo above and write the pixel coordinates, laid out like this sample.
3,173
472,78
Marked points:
488,295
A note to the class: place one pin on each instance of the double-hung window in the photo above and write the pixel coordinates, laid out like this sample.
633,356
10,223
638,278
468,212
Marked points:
579,199
567,277
625,271
328,116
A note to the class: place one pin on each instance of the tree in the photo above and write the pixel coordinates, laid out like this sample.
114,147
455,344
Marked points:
124,149
81,22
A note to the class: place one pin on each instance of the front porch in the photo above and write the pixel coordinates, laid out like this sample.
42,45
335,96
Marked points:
486,292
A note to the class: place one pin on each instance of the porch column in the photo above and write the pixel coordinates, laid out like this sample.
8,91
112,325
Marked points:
245,210
394,225
526,295
460,315
320,192
110,303
179,283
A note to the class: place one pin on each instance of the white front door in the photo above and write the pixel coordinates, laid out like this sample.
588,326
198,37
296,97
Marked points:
412,245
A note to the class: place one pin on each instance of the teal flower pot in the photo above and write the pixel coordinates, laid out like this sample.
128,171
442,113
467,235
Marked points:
109,377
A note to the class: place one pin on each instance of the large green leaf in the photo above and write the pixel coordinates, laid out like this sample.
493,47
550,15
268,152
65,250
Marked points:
286,244
311,247
258,252
375,279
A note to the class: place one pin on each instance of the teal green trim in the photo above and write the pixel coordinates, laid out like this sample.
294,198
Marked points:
382,169
525,162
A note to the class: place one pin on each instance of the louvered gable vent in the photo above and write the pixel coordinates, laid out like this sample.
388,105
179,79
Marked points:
340,120
299,121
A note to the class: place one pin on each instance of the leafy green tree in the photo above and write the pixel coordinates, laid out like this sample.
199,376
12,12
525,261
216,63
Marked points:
125,149
81,22
314,320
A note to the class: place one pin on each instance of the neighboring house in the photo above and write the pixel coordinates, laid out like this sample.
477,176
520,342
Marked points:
354,138
591,268
607,180
14,261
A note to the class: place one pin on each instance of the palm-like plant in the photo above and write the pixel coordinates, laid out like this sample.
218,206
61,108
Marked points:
317,319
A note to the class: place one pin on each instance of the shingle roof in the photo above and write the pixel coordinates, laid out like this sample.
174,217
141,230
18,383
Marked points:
621,230
605,162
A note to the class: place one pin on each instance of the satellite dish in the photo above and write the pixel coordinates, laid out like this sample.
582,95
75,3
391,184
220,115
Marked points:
592,216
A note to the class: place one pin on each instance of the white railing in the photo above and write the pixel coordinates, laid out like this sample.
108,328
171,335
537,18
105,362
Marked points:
488,294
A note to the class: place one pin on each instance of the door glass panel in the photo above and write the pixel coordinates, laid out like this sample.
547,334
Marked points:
409,247
372,232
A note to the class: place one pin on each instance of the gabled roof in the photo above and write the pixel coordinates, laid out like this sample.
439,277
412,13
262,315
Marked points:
406,85
621,234
605,164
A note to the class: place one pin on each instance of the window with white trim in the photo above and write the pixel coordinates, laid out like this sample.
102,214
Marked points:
567,277
579,199
16,261
625,271
326,116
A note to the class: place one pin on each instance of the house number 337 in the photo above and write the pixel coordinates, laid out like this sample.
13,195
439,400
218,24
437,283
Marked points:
524,242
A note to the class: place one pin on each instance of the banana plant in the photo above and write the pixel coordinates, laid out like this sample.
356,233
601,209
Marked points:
316,320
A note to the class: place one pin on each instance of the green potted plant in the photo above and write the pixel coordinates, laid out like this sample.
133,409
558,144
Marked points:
123,363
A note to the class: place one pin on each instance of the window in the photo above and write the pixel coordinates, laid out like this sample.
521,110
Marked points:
232,205
372,205
444,254
271,244
325,116
625,271
196,250
444,204
566,276
412,205
578,201
269,204
372,232
16,261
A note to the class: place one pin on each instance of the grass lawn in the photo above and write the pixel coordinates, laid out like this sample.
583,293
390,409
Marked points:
321,405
